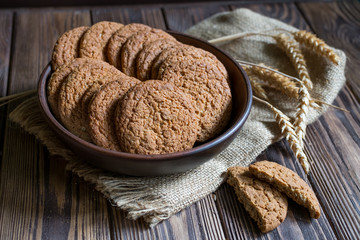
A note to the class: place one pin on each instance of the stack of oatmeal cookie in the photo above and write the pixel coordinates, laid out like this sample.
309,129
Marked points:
137,89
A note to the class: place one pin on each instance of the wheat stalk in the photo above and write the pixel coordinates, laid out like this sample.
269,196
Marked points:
276,80
294,53
316,44
296,57
287,130
301,113
257,88
238,35
8,99
16,95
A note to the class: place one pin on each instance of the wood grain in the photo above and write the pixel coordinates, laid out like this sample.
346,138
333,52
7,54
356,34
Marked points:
339,24
33,185
335,138
179,18
6,18
151,16
199,221
22,189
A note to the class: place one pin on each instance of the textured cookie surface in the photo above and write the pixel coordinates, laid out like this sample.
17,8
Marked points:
133,46
266,205
195,53
289,183
94,42
161,58
119,38
73,89
102,109
195,74
66,48
148,54
59,76
155,117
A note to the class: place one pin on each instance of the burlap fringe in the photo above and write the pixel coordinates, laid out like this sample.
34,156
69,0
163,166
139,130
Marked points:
130,195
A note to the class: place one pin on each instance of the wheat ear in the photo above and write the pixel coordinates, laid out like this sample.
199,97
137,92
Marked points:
301,113
297,58
278,81
316,44
258,89
287,130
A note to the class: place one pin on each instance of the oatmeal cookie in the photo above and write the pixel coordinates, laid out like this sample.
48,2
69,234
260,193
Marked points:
59,76
161,57
134,45
73,89
196,74
119,38
155,117
266,205
66,48
101,111
288,182
147,55
94,42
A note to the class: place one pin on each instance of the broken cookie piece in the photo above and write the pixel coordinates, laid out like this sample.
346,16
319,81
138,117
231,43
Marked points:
289,183
266,205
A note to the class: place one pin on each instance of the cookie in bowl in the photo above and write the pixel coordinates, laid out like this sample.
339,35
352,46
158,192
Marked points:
165,141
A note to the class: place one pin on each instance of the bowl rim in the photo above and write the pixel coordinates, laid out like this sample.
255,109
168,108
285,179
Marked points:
43,101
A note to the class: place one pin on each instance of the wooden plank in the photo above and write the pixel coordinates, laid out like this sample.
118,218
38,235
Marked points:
180,18
199,221
42,3
38,198
149,15
333,175
338,23
337,152
89,213
6,18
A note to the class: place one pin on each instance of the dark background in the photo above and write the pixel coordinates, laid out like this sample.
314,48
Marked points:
64,3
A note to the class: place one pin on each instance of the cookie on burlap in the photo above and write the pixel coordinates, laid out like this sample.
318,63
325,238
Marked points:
59,76
266,205
161,58
195,73
135,44
66,48
102,109
119,38
73,89
148,54
94,42
155,117
288,182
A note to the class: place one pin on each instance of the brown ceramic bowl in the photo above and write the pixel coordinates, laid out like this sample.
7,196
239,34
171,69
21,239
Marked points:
160,164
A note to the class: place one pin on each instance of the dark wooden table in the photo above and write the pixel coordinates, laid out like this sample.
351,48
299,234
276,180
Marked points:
40,199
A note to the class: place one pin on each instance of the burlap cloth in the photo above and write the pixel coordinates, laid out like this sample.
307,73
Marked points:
157,198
